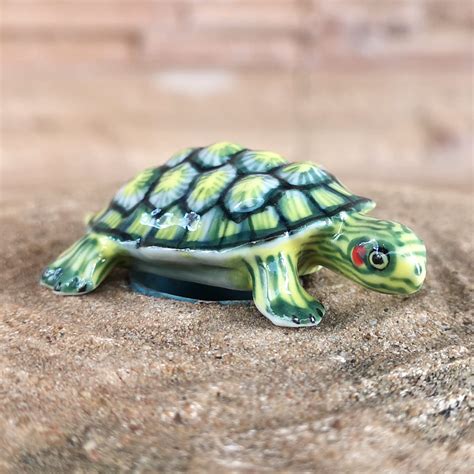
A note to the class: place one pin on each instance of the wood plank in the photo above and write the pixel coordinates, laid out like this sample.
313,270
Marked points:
52,16
242,15
211,49
66,51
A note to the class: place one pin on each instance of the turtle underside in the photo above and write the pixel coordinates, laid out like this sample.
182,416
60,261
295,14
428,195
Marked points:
223,196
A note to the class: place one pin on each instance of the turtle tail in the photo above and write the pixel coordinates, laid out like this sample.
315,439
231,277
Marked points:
83,266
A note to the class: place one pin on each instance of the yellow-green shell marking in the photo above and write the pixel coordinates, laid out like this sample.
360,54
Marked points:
250,193
110,219
303,174
259,161
209,187
134,191
222,196
173,185
295,206
217,154
179,157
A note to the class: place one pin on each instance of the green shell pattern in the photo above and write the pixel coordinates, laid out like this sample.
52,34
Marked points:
222,196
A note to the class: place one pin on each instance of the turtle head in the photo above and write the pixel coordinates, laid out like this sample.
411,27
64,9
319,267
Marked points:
381,255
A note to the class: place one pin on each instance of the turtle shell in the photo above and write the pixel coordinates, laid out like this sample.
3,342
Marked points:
222,196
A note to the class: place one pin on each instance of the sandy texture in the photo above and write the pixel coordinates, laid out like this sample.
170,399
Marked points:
115,381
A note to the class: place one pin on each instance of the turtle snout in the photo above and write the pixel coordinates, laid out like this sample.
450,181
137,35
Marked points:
416,270
419,274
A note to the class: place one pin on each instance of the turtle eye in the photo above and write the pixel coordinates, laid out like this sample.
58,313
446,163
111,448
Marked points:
379,258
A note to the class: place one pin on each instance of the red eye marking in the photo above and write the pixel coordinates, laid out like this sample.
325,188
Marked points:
358,254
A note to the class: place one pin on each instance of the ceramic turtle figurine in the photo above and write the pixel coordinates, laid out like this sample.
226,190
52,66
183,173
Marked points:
234,218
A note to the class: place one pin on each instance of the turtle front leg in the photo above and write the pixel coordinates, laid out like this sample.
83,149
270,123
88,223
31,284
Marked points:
82,267
278,293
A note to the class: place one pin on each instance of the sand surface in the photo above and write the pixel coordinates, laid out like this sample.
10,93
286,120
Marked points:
115,381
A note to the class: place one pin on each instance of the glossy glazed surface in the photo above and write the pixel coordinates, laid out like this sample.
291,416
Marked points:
244,220
222,196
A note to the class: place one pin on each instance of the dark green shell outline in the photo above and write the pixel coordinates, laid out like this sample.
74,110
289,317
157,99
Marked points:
245,221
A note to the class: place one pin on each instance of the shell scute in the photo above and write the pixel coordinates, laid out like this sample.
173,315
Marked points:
173,185
131,193
267,222
207,230
169,226
209,187
295,206
233,233
339,189
303,174
178,157
110,219
216,154
259,161
250,193
138,224
327,199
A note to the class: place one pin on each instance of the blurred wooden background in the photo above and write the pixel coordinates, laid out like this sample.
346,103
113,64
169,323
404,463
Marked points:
235,33
376,91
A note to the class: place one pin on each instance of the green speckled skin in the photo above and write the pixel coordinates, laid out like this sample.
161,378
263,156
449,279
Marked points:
243,219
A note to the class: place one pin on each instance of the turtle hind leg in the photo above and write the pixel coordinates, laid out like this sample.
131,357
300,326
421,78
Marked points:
82,267
279,295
